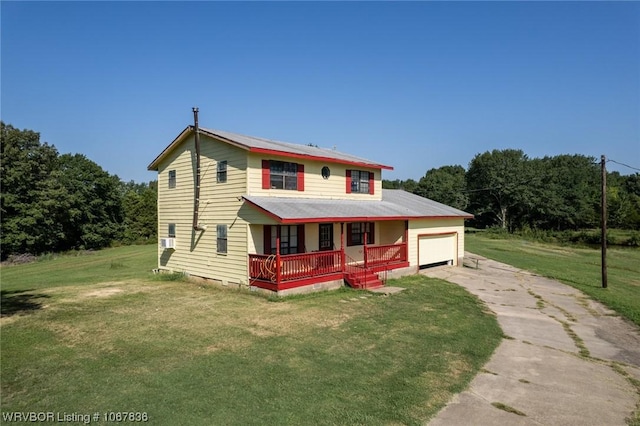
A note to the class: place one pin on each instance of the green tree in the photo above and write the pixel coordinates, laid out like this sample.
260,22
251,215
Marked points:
445,185
32,200
94,217
139,204
497,183
570,192
408,185
631,190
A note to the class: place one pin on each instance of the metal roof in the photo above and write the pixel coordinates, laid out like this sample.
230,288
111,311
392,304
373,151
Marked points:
256,144
395,204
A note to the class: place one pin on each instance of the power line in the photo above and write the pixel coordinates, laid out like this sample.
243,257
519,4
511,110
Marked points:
622,164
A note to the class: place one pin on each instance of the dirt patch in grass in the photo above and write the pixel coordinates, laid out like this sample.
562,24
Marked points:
105,292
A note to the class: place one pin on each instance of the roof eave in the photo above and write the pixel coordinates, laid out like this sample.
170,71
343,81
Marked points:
299,220
153,166
263,210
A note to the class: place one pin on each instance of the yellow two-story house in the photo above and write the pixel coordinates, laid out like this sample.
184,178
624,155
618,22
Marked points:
289,218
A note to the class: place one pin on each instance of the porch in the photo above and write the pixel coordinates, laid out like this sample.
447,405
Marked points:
278,272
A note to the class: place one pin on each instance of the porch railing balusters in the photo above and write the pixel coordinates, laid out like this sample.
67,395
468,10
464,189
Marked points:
291,267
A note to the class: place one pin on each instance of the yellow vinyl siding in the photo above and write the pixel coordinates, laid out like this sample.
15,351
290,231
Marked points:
434,226
315,186
391,232
196,251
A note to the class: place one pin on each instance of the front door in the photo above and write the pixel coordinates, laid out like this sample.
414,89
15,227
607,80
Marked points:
326,236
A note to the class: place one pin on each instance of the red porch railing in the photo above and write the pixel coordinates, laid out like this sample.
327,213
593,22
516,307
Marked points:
294,266
386,254
300,269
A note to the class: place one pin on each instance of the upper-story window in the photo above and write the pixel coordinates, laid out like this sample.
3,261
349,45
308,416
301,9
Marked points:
222,171
282,175
172,178
359,181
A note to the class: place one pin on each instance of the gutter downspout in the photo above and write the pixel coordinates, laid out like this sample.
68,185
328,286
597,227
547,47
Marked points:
196,199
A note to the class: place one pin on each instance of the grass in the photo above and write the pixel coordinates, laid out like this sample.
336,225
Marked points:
578,267
89,267
98,338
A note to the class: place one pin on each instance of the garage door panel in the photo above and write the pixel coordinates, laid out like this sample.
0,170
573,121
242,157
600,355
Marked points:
436,249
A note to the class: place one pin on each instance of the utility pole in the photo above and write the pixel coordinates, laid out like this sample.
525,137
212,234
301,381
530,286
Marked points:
603,221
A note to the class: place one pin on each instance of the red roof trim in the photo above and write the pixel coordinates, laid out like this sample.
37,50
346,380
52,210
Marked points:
347,219
365,219
318,158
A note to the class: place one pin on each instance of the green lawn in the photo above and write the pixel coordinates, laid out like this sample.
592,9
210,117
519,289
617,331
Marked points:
576,266
98,333
88,267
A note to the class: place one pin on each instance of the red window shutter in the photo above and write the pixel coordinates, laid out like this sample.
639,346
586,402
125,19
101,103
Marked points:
349,234
300,177
266,174
348,183
267,239
371,183
301,247
372,233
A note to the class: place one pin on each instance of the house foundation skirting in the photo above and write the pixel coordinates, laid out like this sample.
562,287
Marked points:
399,272
332,284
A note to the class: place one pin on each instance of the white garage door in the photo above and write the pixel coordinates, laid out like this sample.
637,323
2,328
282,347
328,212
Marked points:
437,249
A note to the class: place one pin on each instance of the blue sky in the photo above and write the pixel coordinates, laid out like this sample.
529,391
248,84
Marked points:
413,85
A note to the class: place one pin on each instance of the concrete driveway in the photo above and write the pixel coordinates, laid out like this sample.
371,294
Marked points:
567,360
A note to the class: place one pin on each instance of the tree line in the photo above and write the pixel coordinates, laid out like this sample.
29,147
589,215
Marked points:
509,190
51,202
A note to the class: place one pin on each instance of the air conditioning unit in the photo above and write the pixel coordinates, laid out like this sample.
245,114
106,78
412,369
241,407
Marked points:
168,243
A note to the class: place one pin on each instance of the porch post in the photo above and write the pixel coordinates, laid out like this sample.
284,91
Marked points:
342,256
406,240
365,245
278,271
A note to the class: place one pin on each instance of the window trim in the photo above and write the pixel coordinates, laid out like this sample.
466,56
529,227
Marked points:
172,179
221,171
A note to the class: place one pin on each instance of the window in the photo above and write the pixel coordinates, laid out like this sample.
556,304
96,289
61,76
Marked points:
291,239
355,233
326,172
288,239
172,178
172,230
283,175
222,171
221,231
359,181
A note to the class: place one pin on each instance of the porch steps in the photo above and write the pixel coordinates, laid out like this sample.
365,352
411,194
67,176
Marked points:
368,281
